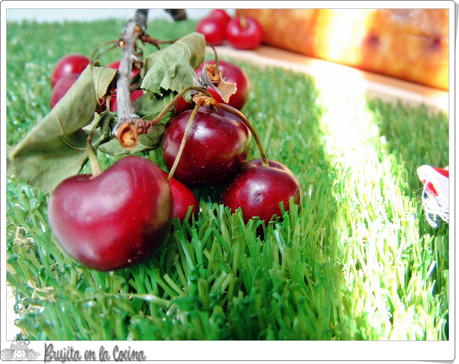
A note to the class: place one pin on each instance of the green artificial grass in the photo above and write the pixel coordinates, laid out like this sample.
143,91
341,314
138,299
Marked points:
356,261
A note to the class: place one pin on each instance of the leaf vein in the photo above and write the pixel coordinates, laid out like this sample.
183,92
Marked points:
70,145
59,121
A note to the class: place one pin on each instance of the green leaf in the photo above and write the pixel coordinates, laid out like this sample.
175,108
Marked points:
55,149
148,107
172,68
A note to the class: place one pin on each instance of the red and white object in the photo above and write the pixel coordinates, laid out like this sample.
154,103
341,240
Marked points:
435,196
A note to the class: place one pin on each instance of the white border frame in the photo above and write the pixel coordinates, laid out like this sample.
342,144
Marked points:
254,350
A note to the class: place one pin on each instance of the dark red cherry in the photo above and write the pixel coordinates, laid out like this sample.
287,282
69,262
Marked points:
183,198
212,29
216,147
114,219
222,16
182,106
258,190
244,33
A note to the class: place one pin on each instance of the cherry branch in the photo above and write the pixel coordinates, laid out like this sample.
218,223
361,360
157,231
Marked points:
132,31
130,125
177,14
145,38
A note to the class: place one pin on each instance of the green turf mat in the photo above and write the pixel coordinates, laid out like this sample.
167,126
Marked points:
356,261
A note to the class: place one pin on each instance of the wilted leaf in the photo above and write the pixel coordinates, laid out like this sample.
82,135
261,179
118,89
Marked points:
210,78
172,68
55,149
103,77
226,90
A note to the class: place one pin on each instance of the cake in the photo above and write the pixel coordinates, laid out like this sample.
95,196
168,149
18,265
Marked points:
408,44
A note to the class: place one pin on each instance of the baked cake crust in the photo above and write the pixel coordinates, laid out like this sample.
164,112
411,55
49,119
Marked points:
409,44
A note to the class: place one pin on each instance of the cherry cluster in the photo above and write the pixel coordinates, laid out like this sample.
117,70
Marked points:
242,32
215,155
112,219
68,69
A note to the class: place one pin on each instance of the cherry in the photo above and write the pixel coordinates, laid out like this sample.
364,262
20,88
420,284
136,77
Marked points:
222,17
116,65
182,106
258,190
217,146
61,87
212,29
234,74
244,33
183,198
113,219
71,63
135,94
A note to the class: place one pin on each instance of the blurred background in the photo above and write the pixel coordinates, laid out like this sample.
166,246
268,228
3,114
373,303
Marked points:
48,15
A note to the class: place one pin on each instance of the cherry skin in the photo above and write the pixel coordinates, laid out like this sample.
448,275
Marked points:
258,190
183,198
216,147
135,94
234,74
221,15
71,63
182,106
271,163
61,87
244,33
212,29
115,219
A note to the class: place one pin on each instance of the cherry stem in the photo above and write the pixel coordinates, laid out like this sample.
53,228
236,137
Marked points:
145,38
94,57
184,138
94,163
243,22
264,160
215,55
